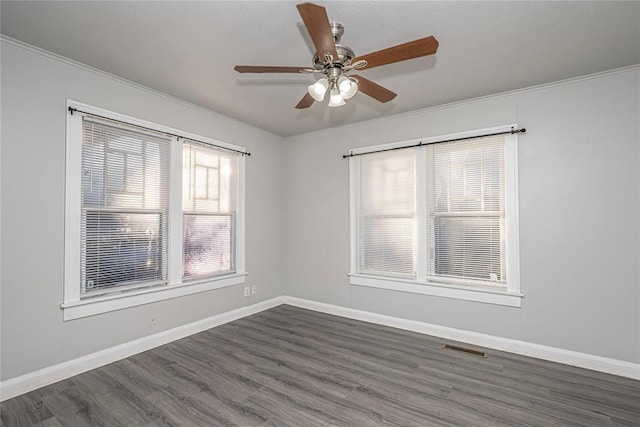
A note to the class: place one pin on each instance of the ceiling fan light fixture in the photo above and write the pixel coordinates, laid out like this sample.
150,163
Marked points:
335,98
318,89
348,87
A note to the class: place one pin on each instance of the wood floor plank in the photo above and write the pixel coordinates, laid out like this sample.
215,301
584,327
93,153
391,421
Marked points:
83,408
132,377
182,410
293,367
27,410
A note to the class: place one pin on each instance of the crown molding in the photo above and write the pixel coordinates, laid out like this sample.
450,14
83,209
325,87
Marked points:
79,65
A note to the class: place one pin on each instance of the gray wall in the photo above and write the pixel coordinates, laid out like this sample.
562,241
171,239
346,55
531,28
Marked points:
579,216
34,92
579,202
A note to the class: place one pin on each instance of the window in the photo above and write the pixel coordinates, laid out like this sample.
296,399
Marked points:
439,219
387,214
125,177
465,211
149,215
209,205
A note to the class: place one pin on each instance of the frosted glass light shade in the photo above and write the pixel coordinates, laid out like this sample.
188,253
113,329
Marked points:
318,89
335,99
348,87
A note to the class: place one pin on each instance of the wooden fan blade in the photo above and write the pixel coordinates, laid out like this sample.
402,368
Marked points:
374,90
402,52
317,23
267,69
306,102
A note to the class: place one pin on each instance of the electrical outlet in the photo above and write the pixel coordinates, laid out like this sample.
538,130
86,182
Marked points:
247,291
254,289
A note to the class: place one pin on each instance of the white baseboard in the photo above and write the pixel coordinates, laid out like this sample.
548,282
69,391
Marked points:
42,377
568,357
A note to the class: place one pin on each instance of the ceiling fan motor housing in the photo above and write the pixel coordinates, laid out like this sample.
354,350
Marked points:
345,53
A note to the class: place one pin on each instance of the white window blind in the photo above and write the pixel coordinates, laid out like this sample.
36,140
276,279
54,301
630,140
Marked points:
435,214
131,236
385,207
210,200
466,210
125,174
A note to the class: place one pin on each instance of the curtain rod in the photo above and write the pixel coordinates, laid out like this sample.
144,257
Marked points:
512,131
73,110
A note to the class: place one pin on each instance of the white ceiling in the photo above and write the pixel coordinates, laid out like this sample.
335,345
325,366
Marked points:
188,49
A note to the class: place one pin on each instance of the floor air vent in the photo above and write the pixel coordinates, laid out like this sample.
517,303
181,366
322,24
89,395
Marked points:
464,350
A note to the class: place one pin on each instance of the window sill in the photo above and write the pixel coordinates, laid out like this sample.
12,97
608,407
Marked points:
489,296
92,306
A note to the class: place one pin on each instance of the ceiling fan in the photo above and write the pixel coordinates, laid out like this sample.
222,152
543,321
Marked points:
335,61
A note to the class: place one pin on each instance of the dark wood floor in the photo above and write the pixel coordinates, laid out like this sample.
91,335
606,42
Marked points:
293,367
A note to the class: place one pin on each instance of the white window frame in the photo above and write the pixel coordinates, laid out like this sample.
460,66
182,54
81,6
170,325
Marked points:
511,296
75,307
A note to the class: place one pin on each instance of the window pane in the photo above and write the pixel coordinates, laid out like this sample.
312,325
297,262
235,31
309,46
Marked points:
388,183
123,169
121,249
209,179
467,176
386,213
388,245
468,248
208,245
